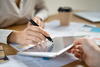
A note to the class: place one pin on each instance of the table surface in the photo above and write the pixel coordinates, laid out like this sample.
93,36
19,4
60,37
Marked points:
12,51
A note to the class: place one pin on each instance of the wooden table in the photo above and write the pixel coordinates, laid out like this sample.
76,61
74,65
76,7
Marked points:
11,51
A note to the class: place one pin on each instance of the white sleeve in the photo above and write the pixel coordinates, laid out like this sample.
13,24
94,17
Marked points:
4,35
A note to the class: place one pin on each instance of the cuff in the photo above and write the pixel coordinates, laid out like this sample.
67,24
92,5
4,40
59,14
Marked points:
4,35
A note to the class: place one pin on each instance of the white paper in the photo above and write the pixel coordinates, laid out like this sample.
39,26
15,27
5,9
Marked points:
54,28
13,63
40,62
95,36
25,61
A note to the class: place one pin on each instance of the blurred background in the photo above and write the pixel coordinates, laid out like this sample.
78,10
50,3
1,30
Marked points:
87,5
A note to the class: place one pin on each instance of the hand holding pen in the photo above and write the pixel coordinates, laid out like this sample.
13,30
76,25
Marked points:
47,37
35,24
39,22
30,35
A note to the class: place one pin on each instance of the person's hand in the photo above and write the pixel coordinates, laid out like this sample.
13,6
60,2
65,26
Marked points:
30,35
87,50
39,21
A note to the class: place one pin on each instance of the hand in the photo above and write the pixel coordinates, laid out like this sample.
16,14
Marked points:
30,35
39,22
87,50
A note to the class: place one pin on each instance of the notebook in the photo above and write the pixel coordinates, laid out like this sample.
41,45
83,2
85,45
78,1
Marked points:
91,16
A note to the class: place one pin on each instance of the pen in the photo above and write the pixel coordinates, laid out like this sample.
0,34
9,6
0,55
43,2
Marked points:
49,38
33,23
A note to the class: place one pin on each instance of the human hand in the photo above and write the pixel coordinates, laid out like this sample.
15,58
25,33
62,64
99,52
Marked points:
87,50
30,35
39,21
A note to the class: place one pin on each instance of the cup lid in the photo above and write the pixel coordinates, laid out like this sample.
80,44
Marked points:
64,9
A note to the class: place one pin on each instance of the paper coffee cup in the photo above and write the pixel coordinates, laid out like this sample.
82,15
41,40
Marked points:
65,14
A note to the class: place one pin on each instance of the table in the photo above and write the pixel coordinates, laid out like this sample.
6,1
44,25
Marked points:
12,51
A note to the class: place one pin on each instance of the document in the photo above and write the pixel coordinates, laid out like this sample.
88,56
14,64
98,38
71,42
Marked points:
26,61
13,63
53,62
91,29
54,28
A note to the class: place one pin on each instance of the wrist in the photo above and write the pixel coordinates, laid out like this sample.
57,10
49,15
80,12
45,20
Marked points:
12,37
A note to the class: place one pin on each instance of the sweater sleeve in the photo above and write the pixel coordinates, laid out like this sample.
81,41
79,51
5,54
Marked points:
4,35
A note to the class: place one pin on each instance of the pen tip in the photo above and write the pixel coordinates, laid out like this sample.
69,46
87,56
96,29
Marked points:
50,39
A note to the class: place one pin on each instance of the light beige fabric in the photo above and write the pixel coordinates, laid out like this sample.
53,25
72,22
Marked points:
3,35
10,14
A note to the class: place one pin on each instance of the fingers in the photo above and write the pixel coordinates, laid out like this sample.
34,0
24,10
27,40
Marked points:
39,30
36,34
38,21
77,51
44,32
77,48
83,48
34,39
78,55
78,41
28,42
77,45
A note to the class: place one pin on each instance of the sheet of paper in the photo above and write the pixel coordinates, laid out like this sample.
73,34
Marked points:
13,63
95,36
26,61
56,30
40,62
